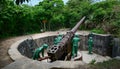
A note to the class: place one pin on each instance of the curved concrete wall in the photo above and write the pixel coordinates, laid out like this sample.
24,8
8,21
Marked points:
101,44
28,46
22,48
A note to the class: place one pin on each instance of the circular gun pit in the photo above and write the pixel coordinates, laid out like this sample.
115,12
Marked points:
22,50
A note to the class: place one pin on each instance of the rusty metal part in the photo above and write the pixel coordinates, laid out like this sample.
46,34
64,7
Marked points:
78,24
78,58
43,58
60,51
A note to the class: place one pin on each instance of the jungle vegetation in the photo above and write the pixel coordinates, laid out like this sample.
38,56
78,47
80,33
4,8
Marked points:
20,19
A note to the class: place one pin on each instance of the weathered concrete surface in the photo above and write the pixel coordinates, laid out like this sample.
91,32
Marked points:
22,62
13,51
116,47
33,64
102,44
88,58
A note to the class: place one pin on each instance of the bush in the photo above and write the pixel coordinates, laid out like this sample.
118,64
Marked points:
98,31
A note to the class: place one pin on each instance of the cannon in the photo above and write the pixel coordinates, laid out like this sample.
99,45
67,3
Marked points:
63,48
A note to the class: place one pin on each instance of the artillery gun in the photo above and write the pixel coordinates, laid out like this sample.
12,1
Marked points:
63,48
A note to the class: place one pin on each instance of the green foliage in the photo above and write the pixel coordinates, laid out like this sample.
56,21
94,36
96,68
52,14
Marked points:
102,17
93,61
20,20
98,31
53,13
16,21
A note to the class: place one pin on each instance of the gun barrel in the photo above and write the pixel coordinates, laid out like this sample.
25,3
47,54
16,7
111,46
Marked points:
78,24
64,46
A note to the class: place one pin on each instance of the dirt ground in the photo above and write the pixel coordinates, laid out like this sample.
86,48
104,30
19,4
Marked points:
4,46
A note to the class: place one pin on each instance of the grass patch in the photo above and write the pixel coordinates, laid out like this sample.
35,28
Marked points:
93,61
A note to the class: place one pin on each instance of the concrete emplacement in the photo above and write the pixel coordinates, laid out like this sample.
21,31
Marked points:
21,54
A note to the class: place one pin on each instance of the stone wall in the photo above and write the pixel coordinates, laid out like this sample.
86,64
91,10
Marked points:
83,45
27,47
48,40
116,47
102,44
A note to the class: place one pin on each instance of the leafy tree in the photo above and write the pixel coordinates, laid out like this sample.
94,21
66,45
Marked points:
77,9
53,12
20,20
20,1
102,17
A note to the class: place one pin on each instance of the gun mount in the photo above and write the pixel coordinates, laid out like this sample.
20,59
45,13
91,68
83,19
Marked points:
62,49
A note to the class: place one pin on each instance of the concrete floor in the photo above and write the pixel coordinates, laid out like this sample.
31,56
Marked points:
33,64
87,58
